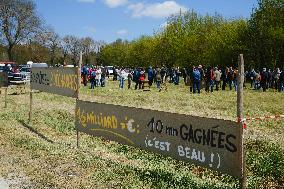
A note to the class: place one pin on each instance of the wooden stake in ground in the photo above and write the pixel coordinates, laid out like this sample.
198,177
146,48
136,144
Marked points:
31,106
6,93
78,91
240,116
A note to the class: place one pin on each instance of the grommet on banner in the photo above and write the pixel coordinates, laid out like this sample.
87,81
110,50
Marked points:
243,121
244,125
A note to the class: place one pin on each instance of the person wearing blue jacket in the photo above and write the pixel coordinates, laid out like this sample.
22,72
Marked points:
136,75
196,80
150,76
84,73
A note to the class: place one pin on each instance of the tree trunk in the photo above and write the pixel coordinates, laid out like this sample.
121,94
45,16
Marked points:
10,53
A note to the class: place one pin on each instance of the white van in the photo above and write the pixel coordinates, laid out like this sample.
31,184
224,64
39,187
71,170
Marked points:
36,65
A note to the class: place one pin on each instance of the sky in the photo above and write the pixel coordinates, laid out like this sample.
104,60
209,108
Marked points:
108,20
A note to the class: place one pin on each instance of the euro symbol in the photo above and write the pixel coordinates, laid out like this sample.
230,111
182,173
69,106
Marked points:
130,126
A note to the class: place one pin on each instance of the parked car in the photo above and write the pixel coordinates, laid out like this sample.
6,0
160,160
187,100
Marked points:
2,67
110,70
20,74
25,73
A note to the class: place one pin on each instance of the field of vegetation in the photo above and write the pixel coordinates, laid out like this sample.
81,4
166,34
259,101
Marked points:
44,154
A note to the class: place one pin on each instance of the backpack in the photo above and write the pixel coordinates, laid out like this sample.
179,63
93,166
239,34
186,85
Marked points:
93,74
196,75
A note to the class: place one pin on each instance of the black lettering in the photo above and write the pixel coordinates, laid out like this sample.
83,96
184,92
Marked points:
151,125
221,140
197,137
159,129
206,137
230,146
42,79
190,134
213,138
183,134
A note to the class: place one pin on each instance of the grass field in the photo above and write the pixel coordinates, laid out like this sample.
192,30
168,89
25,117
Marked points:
44,154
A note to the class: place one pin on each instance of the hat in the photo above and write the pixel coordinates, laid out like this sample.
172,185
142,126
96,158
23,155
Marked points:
199,66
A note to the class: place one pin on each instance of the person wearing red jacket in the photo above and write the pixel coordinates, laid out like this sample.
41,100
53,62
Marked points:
209,77
141,78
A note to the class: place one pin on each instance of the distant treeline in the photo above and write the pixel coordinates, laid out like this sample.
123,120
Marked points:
192,39
187,39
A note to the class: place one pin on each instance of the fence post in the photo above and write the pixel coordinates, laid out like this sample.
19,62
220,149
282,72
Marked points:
78,92
240,117
6,93
31,106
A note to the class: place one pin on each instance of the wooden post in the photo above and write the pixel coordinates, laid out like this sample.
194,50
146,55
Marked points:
31,107
240,117
78,92
79,75
6,93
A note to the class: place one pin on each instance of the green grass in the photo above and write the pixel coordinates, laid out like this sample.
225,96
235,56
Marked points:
46,152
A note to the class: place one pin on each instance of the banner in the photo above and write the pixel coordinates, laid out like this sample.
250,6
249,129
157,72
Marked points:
4,79
206,142
62,81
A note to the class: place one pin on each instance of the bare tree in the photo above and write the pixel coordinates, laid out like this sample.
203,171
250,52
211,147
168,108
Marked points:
88,46
18,22
99,45
72,46
51,40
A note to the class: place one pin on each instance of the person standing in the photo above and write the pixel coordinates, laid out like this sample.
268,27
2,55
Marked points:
209,79
136,75
142,78
115,73
276,77
177,74
224,73
158,78
196,80
98,77
103,76
84,73
150,76
257,81
93,77
264,79
281,81
217,75
230,77
129,79
252,75
184,74
202,75
235,80
121,75
163,73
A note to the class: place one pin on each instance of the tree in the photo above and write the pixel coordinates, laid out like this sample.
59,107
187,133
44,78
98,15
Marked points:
266,36
71,46
18,22
88,46
51,40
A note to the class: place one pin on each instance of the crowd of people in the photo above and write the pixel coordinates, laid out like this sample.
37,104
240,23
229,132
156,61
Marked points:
95,74
196,78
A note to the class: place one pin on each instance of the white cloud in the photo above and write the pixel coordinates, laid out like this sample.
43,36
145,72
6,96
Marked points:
115,3
90,29
156,10
122,32
86,1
